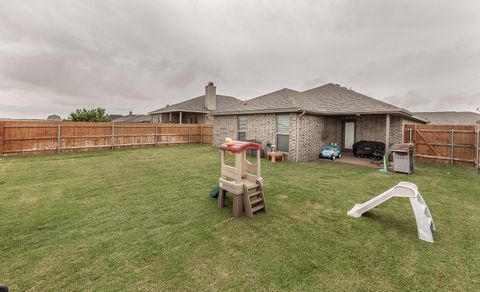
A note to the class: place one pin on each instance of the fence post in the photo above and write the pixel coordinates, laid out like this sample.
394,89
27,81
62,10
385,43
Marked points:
452,146
478,150
1,138
113,136
201,134
414,137
59,138
156,134
189,128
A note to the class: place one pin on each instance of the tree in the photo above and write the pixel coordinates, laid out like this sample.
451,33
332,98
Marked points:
93,115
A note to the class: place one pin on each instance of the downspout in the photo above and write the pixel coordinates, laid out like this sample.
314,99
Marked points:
296,135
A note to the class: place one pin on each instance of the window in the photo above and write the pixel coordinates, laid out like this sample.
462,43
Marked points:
242,128
283,129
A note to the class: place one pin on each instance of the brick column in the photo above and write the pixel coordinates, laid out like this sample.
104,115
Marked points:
387,135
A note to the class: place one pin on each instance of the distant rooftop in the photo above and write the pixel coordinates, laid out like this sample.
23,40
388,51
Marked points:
197,104
450,117
133,119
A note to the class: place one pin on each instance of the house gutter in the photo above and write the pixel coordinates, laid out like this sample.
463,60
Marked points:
176,111
257,111
402,113
296,135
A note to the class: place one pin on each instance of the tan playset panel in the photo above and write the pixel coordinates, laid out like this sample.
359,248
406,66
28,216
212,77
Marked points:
243,180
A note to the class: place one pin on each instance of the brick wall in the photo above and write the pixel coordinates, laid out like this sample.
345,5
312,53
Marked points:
318,131
314,132
260,127
292,141
207,119
224,127
370,128
396,130
373,128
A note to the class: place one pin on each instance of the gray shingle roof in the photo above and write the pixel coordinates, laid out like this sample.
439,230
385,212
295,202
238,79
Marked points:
332,98
197,104
450,118
326,99
133,119
277,100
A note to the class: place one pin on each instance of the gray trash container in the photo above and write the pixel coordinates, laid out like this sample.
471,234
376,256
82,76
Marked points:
402,157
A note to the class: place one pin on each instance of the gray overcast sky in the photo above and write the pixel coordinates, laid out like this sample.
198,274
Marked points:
56,56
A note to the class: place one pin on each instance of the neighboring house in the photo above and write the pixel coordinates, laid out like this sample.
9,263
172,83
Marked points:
54,118
114,117
450,118
301,123
131,118
196,110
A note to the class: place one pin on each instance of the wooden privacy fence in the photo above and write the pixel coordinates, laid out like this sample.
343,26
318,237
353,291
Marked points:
55,137
444,143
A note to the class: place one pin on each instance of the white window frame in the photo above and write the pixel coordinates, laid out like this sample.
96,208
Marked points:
242,131
277,133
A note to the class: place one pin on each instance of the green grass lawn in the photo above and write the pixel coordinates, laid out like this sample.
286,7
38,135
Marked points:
142,219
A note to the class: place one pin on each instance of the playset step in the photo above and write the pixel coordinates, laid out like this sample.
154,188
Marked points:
254,194
255,201
257,208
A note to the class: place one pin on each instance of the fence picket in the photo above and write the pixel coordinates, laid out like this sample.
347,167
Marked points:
59,139
46,137
1,138
113,136
477,150
443,143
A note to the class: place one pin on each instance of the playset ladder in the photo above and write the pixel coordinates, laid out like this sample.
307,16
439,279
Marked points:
254,200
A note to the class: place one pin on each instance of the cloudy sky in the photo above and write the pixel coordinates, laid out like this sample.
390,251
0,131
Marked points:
56,56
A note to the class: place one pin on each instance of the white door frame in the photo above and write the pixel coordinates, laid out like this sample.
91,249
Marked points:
344,123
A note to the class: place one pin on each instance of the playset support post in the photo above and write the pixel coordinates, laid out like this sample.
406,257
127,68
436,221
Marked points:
243,179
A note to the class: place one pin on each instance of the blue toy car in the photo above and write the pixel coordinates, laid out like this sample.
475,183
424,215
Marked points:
331,151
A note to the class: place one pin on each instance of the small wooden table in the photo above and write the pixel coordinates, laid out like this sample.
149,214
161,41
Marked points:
273,156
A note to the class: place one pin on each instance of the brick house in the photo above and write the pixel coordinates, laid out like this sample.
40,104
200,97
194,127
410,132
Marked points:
196,110
301,123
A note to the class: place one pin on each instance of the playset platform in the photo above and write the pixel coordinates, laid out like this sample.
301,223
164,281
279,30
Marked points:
243,180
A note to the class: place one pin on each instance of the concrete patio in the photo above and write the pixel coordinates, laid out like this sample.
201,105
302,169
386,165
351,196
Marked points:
349,158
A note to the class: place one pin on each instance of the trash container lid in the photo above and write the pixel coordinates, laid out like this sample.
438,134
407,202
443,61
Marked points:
401,147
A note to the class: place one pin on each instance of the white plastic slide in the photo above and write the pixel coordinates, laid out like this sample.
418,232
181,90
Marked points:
423,217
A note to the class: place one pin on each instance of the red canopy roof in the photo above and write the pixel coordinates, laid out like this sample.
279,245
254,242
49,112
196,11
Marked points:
240,146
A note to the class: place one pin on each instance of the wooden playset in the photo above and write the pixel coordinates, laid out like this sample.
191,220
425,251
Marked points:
243,180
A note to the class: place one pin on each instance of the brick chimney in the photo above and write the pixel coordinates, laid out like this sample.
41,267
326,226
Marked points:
210,96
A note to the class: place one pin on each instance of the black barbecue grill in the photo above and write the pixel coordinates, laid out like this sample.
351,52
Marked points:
369,149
